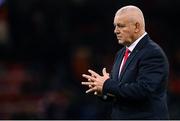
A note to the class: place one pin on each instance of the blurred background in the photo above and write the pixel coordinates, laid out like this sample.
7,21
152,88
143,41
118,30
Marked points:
46,45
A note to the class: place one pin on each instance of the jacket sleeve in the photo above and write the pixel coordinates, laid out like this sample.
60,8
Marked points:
107,96
152,70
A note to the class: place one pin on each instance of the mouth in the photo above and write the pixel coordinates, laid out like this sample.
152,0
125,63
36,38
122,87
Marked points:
118,37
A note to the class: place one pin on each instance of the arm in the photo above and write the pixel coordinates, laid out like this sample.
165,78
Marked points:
152,69
95,82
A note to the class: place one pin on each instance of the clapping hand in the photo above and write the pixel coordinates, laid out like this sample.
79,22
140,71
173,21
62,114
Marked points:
95,81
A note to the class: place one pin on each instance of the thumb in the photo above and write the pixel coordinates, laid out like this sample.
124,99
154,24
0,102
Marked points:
104,71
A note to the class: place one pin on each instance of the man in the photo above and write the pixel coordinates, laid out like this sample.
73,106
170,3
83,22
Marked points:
137,84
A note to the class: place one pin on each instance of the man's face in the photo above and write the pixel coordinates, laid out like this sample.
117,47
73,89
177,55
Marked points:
124,30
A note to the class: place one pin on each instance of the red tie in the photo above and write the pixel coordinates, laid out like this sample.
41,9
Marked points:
125,57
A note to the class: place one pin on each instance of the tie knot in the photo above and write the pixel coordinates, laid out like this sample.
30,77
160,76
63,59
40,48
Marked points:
127,51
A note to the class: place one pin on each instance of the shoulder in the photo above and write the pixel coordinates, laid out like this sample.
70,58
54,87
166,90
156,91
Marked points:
152,48
152,51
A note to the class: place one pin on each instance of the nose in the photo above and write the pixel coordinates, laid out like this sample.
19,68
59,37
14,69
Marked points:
116,30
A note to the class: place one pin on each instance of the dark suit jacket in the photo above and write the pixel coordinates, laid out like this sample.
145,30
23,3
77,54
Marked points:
140,91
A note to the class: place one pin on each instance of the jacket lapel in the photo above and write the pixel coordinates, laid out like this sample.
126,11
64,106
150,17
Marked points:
117,63
130,58
138,47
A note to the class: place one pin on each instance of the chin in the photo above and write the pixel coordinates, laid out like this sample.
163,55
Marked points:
120,42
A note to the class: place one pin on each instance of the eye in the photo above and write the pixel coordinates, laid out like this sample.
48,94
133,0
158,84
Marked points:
120,25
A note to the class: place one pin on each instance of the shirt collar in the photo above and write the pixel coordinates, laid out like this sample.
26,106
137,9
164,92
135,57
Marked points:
133,45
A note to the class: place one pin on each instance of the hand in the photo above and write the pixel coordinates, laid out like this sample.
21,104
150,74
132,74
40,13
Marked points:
95,81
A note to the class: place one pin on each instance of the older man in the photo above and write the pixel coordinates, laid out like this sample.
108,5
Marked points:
138,81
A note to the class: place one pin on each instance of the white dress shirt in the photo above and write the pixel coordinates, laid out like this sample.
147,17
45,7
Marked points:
131,48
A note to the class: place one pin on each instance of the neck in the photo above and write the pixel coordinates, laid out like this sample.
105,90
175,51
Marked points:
139,34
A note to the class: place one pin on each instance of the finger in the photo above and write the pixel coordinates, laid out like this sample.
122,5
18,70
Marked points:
89,77
104,71
95,93
89,80
88,83
93,73
91,90
90,86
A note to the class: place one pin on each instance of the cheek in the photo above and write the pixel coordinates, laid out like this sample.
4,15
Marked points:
126,34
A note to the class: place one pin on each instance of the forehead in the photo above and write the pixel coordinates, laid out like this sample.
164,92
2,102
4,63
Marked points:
121,18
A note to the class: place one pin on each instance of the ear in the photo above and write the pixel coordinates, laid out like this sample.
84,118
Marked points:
137,27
